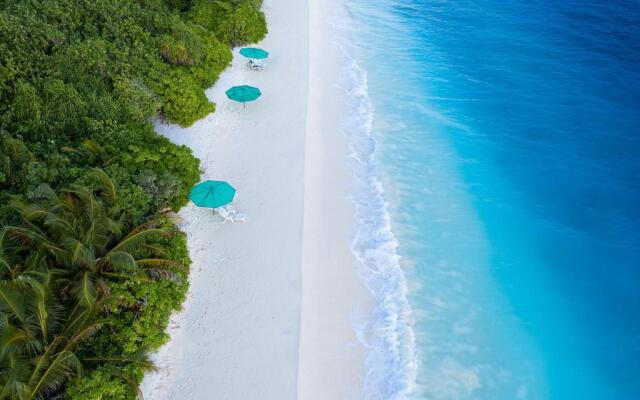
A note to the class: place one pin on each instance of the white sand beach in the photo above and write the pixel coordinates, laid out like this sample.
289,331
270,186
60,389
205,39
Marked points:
271,303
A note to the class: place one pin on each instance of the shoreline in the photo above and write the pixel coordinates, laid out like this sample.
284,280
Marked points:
256,322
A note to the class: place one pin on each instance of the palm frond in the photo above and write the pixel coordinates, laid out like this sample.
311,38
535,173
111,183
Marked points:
64,365
11,301
119,261
138,239
158,251
107,186
29,237
42,315
80,255
18,342
4,264
76,319
14,388
84,290
58,225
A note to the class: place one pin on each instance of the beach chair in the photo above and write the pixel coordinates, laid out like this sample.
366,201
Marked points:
224,213
238,217
229,214
256,65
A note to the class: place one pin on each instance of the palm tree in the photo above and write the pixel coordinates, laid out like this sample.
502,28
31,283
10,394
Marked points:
56,266
38,336
84,236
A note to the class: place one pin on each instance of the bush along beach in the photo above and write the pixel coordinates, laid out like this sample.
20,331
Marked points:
90,266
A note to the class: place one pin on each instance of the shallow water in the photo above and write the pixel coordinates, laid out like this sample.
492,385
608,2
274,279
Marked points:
506,141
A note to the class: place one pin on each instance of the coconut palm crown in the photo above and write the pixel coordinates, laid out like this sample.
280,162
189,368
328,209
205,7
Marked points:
83,236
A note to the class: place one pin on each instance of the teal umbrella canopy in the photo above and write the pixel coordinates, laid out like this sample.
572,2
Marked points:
212,194
254,52
243,93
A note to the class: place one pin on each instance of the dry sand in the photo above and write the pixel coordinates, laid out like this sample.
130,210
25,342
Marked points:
333,297
271,301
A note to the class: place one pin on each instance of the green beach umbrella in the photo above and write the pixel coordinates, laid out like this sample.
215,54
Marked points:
254,52
243,93
212,194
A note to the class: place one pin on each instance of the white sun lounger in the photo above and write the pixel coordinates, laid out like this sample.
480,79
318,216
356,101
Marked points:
230,215
256,65
238,217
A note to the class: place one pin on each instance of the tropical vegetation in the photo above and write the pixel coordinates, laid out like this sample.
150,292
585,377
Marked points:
91,265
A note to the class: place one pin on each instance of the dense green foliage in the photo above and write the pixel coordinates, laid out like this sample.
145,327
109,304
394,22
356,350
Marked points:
65,262
89,273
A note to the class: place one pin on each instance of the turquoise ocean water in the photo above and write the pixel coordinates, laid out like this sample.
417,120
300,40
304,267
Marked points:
496,155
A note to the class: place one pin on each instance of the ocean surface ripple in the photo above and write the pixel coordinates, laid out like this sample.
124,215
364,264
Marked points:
496,159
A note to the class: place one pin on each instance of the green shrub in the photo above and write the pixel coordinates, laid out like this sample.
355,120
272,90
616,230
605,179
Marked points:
104,383
183,47
245,25
182,101
234,22
15,160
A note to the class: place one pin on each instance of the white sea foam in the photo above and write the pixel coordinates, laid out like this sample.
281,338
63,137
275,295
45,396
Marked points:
388,334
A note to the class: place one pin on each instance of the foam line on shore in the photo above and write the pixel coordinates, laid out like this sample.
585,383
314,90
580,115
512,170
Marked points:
388,335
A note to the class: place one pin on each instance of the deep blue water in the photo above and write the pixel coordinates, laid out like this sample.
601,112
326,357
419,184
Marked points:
508,145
